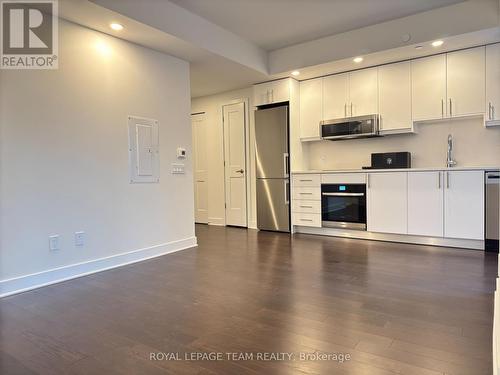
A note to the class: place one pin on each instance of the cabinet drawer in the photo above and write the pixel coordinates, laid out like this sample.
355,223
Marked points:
312,193
307,220
306,206
306,180
343,178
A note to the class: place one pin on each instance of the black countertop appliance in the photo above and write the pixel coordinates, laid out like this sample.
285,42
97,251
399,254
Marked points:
388,160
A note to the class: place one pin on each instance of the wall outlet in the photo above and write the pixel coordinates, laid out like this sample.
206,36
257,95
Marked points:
54,243
79,238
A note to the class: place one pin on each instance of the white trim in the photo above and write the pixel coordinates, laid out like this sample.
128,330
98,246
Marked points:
390,237
252,224
219,221
56,275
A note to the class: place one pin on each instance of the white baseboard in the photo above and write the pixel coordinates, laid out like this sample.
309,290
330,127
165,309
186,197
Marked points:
252,224
56,275
216,221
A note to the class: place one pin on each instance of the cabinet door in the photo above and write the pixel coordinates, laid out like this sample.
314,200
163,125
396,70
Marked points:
394,85
262,94
311,108
428,88
425,204
466,82
387,202
464,204
335,96
493,82
280,90
363,92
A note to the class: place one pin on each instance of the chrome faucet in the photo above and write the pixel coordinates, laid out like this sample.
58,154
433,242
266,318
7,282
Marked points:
449,157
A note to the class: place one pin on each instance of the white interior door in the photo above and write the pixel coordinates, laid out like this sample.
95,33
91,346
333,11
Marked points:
200,156
235,164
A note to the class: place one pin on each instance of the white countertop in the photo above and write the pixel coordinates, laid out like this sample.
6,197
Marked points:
430,169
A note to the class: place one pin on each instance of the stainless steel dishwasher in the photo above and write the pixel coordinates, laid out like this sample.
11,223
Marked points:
492,181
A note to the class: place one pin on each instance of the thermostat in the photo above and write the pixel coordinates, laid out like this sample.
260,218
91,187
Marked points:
181,153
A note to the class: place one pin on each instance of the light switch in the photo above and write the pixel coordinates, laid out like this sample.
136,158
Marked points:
178,168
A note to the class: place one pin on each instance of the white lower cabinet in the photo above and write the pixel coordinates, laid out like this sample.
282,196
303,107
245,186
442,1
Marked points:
425,204
306,200
464,204
387,202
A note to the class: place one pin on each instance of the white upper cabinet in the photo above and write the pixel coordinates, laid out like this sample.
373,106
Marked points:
428,83
492,109
387,202
272,92
464,204
363,92
425,203
466,82
394,85
311,108
335,96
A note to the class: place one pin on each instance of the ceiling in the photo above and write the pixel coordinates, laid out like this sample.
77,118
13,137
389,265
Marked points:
227,42
273,24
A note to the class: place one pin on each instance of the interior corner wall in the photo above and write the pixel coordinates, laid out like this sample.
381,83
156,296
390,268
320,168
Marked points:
64,160
212,106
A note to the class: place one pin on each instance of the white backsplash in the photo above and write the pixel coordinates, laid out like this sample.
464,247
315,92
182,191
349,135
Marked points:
473,145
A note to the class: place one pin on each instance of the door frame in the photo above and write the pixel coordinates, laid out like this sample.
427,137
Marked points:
246,103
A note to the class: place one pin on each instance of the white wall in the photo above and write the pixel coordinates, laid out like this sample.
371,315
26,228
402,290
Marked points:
212,106
474,145
64,156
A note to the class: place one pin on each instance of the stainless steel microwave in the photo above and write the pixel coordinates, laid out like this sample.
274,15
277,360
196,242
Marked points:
351,127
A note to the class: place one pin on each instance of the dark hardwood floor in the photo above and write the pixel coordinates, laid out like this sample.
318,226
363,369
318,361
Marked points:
394,308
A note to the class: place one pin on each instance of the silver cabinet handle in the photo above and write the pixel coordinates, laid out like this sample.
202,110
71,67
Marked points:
272,95
306,206
305,219
451,112
442,107
447,180
306,180
345,109
305,193
351,110
439,180
368,181
489,111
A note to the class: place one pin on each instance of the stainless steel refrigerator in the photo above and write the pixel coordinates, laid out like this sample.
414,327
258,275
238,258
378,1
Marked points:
272,165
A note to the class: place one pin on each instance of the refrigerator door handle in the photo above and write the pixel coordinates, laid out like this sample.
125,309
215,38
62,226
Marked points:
287,193
286,158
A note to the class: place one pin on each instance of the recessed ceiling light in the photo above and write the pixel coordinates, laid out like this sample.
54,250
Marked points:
437,43
295,73
116,26
357,60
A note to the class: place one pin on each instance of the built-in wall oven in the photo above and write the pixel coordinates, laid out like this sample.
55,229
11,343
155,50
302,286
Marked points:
343,206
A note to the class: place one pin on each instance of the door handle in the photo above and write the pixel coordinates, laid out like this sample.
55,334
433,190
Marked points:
287,194
285,164
240,171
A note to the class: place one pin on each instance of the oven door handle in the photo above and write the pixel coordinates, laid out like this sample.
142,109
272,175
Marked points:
343,194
